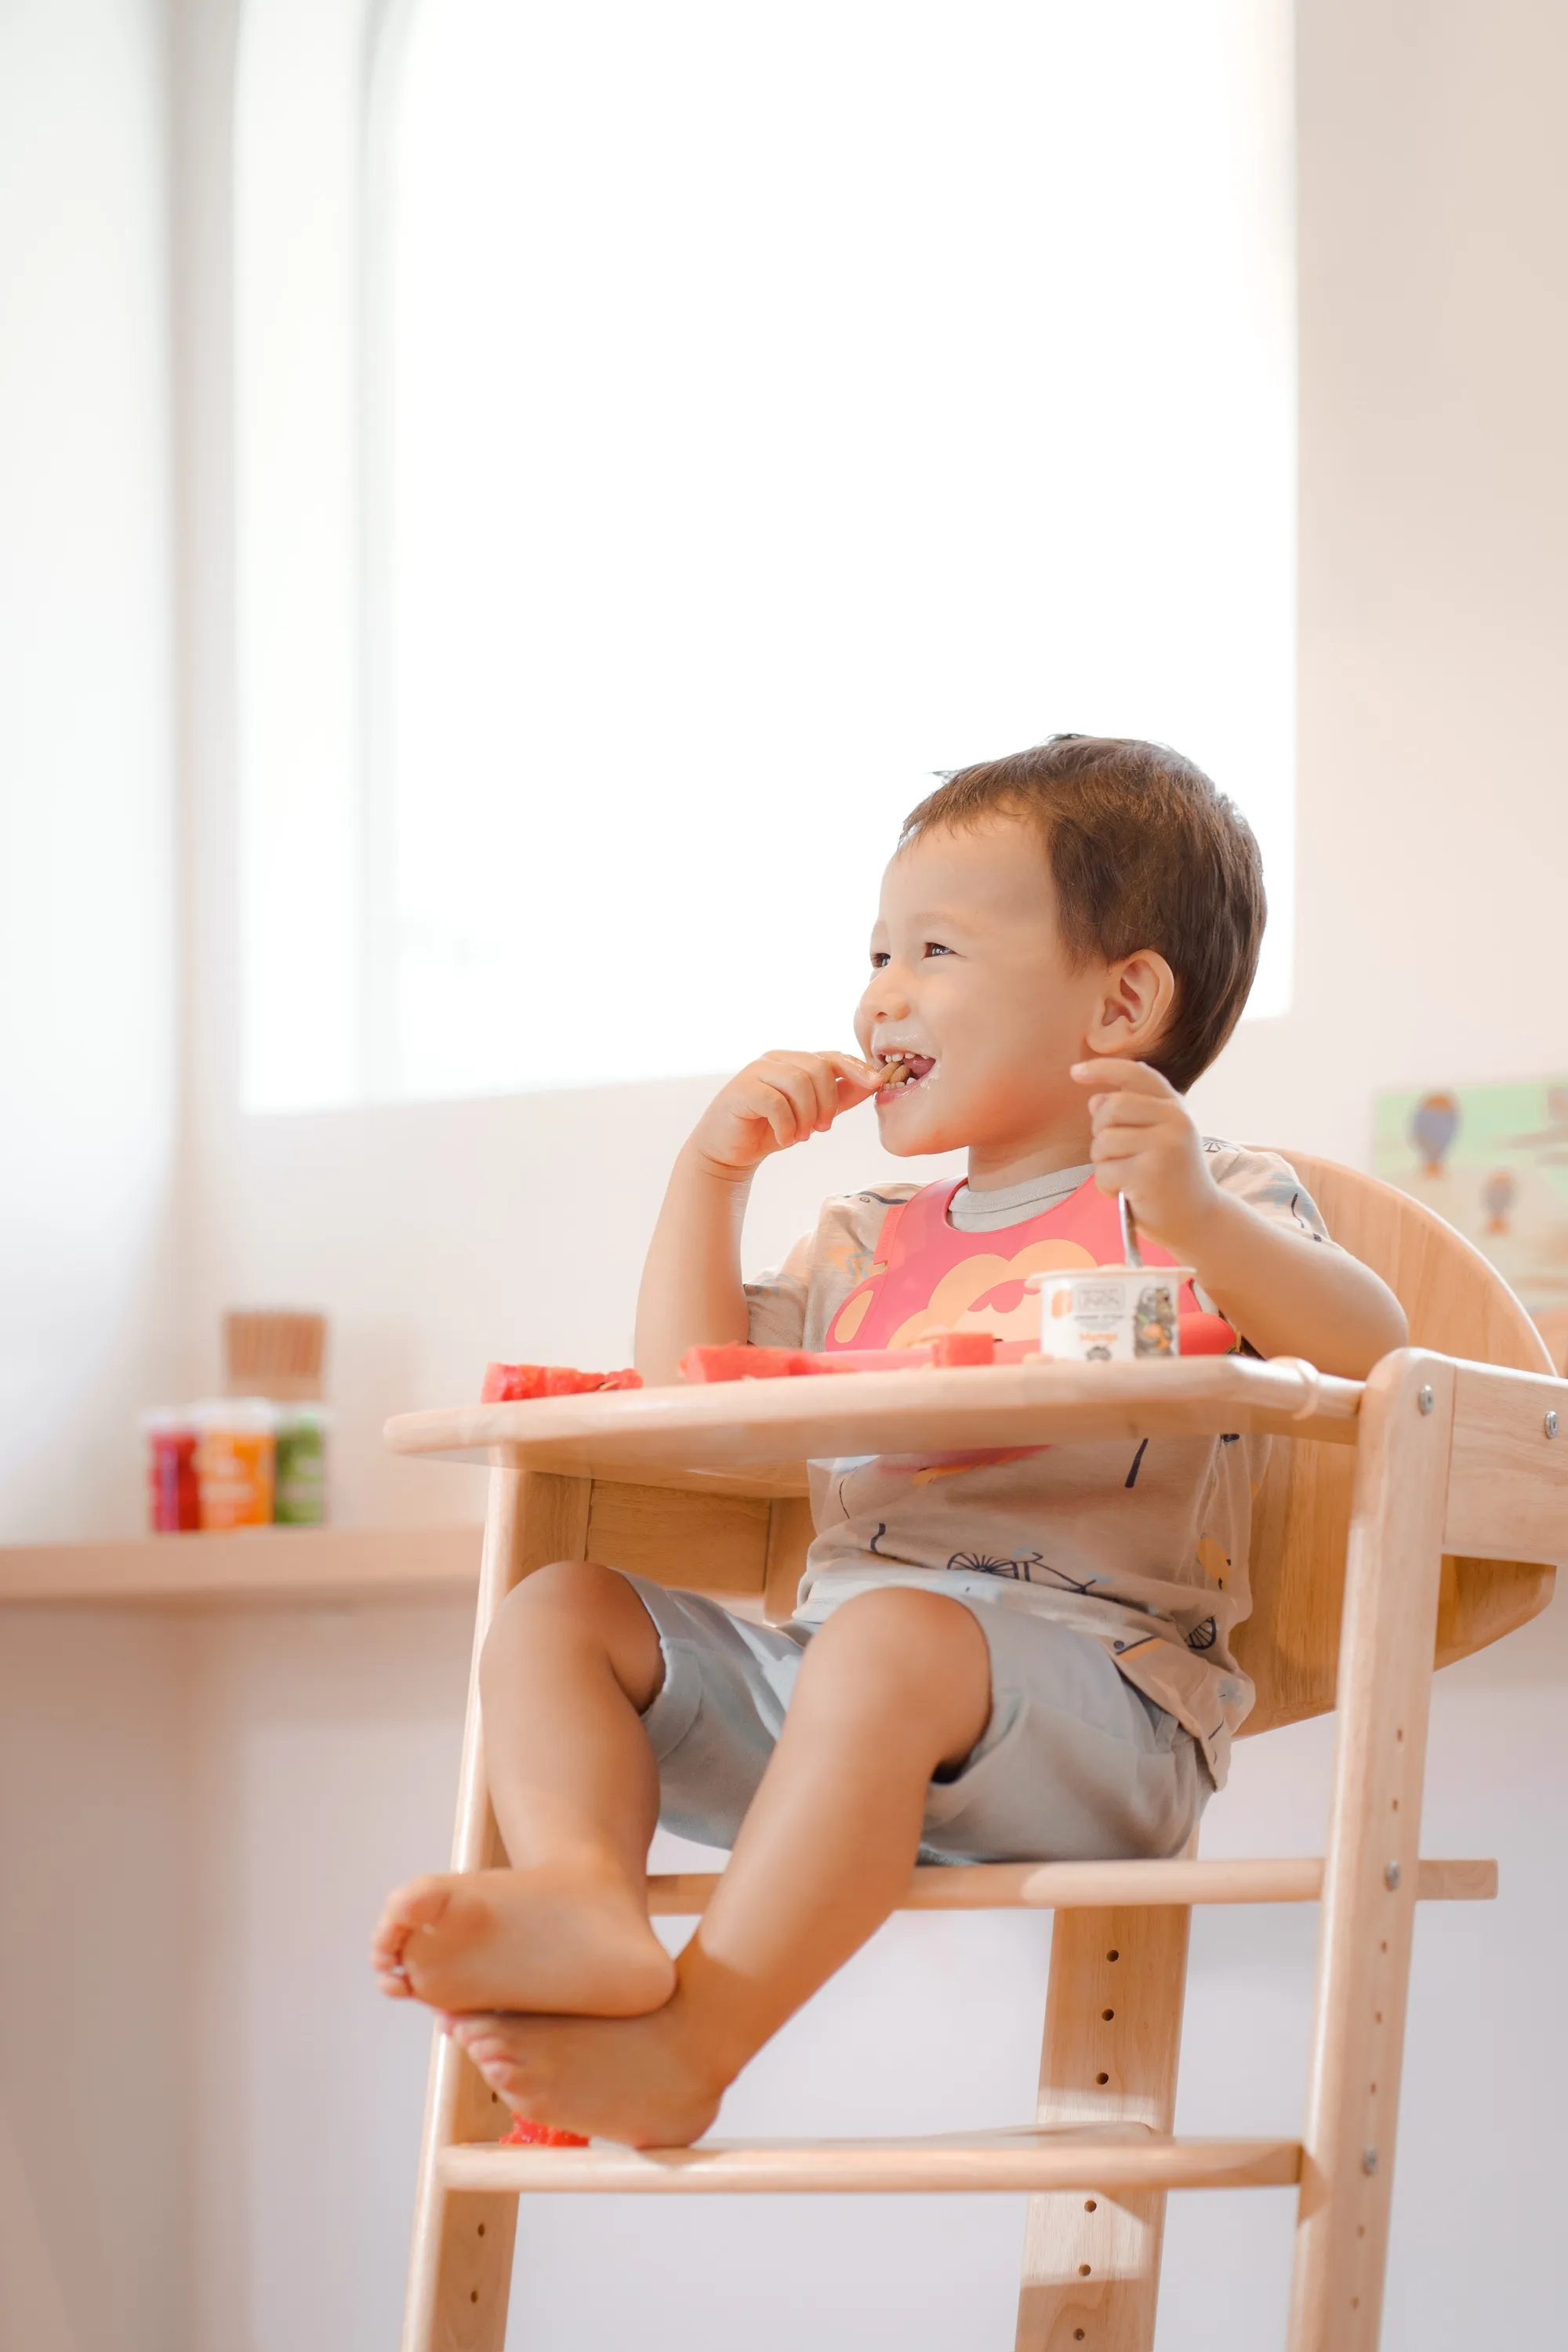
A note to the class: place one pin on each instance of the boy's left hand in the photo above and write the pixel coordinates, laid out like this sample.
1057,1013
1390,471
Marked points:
1146,1144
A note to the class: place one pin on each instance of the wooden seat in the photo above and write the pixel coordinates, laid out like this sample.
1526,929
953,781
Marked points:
1403,1523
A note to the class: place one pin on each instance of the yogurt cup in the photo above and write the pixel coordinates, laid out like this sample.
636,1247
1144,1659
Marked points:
1111,1314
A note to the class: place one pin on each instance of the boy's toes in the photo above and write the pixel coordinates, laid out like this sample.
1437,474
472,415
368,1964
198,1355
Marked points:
494,2051
421,1903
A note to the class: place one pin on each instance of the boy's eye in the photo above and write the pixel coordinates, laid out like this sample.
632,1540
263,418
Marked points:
935,948
878,958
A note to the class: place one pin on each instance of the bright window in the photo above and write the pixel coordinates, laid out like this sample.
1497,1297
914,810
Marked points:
770,409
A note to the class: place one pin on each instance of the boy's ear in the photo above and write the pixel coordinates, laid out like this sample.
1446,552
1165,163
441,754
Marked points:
1136,1007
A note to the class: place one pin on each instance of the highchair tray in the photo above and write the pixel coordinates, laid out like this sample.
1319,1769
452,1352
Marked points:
752,1435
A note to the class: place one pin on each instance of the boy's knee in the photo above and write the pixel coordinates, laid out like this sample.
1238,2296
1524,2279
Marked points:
575,1594
899,1642
912,1667
577,1586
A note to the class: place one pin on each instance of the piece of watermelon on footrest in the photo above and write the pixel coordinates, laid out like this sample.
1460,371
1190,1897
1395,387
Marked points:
526,2135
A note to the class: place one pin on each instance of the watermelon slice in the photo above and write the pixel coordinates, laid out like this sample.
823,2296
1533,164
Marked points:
951,1348
744,1364
509,1383
947,1349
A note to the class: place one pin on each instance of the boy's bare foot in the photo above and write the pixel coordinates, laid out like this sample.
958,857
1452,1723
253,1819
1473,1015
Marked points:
638,2080
557,1938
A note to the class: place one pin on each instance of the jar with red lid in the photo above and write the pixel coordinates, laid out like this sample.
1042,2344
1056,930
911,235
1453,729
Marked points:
174,1490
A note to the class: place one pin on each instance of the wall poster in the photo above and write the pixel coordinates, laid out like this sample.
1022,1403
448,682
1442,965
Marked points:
1493,1161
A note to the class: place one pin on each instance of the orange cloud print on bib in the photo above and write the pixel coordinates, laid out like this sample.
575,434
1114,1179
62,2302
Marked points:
983,1293
928,1276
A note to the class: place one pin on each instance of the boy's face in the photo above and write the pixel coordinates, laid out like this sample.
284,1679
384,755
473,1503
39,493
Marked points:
970,975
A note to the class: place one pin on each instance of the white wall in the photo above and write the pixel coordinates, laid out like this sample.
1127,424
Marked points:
87,845
95,1783
1434,347
93,1766
1434,468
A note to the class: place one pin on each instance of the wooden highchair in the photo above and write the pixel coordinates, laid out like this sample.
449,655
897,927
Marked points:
1398,1528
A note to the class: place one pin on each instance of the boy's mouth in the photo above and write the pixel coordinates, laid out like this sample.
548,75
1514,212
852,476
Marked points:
905,1072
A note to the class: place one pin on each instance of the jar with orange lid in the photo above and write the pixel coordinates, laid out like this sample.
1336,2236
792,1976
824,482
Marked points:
234,1461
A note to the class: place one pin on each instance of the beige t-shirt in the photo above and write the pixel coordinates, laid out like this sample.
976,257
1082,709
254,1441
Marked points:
1143,1547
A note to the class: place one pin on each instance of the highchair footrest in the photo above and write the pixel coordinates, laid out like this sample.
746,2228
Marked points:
1119,2156
1100,1885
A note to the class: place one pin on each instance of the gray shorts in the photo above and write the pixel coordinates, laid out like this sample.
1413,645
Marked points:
1075,1764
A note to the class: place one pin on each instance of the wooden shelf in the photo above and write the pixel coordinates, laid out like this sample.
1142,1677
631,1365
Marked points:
250,1566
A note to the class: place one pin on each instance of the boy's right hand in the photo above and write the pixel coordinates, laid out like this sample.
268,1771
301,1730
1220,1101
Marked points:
775,1101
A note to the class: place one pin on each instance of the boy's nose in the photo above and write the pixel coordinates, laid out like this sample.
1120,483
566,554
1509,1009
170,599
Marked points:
887,997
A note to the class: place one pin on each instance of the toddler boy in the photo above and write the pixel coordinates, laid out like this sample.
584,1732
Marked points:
1012,1655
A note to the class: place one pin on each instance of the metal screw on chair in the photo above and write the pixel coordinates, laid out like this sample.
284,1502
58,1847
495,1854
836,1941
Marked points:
1369,2161
1391,1876
1550,1424
1424,1400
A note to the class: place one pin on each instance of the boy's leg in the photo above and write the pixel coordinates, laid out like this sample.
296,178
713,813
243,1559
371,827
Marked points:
571,1663
895,1688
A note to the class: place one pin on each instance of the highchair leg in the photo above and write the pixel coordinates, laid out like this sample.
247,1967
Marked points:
1393,1569
1113,2031
459,2278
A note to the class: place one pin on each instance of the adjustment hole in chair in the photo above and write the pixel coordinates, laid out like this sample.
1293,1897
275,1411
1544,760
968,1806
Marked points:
1102,2079
473,2295
1107,2014
1113,1955
1091,2205
482,2229
1083,2270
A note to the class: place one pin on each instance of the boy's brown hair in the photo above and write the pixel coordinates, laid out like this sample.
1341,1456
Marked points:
1144,853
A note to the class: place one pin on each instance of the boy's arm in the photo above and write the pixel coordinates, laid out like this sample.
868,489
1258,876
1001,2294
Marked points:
1283,1292
691,1294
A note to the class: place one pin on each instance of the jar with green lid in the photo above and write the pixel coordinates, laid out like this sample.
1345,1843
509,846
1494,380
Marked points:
299,1486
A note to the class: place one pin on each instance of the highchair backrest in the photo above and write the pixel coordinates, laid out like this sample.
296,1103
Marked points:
1458,1304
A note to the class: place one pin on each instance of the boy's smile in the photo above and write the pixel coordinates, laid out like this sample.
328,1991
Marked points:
972,985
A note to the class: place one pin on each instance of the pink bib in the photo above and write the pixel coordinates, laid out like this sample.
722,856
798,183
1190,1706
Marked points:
928,1276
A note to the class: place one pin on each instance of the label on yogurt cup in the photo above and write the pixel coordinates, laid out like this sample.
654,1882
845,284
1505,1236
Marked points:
1112,1314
